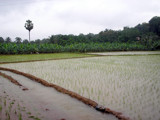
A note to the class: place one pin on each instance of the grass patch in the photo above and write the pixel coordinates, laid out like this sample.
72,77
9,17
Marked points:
34,57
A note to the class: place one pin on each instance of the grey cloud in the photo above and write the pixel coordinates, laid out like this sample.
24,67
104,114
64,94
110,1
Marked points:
73,16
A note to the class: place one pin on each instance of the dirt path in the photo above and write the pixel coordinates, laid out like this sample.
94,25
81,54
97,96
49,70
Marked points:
39,102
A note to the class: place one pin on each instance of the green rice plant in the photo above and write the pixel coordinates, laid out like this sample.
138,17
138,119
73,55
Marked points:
0,108
6,112
20,116
15,112
5,102
29,113
12,102
10,106
35,118
19,107
23,109
7,115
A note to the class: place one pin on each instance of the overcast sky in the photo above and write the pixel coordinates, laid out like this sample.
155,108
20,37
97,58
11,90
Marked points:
52,17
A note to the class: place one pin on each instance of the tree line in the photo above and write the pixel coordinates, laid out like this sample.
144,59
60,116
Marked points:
145,36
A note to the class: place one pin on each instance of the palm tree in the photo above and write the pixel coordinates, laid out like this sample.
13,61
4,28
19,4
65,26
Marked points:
29,26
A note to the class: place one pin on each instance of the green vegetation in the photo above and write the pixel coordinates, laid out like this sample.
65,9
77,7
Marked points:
5,102
20,116
0,108
145,36
29,113
19,58
35,118
13,48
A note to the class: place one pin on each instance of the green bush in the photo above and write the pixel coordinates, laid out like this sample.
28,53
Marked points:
13,48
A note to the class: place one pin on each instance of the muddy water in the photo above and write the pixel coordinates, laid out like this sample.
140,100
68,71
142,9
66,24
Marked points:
50,104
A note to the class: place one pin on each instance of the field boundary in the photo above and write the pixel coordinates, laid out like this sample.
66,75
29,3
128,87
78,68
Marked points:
10,79
70,93
13,81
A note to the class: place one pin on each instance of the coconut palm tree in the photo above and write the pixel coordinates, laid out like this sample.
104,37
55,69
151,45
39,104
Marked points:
29,26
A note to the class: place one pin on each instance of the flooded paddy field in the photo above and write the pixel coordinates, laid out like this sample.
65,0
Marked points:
128,84
41,103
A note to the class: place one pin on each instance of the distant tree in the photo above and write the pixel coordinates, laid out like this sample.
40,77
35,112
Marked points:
8,40
1,40
149,39
108,36
89,37
143,28
70,39
45,40
38,41
25,41
29,26
53,39
154,24
18,40
128,34
81,38
32,42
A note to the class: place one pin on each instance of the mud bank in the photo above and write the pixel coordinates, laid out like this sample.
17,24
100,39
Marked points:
70,93
13,81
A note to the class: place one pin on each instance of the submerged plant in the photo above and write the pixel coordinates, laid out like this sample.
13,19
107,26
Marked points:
0,107
5,102
20,116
